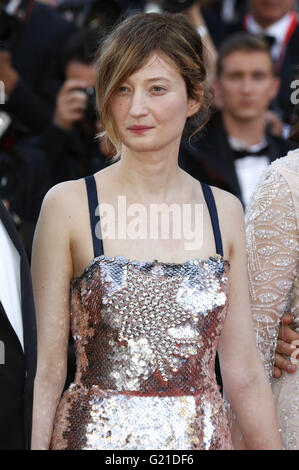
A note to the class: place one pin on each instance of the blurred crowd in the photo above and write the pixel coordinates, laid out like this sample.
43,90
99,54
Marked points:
49,122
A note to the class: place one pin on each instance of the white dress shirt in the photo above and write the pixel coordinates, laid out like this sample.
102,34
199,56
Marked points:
249,169
10,282
278,30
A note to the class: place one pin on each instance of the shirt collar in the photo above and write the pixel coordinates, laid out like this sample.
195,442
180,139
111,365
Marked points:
236,144
277,29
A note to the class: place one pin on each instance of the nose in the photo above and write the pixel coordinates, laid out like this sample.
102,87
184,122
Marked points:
246,85
138,106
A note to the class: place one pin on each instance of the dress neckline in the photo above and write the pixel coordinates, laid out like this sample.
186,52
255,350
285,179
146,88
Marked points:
95,223
124,260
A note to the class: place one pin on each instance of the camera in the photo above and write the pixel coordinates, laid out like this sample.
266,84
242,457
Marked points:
90,112
177,6
13,16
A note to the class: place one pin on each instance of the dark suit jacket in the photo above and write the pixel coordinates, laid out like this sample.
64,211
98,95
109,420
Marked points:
210,159
18,371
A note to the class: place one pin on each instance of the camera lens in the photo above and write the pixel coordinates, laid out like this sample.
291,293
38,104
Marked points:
90,113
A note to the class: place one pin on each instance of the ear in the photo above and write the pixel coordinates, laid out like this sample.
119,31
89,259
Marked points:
194,104
276,87
218,100
193,107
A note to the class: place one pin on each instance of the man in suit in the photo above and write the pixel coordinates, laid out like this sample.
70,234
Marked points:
17,339
237,146
278,22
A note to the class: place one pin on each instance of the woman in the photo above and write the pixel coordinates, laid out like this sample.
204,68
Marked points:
273,247
147,331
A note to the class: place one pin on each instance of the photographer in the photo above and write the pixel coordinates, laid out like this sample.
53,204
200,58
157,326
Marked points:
69,141
28,50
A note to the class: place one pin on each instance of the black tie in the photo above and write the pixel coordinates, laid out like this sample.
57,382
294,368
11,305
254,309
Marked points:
241,153
270,40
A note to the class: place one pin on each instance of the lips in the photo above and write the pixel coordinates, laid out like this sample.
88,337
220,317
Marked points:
139,129
247,103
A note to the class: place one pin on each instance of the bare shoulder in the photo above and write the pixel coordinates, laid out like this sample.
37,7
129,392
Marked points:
63,197
227,203
231,217
61,206
63,193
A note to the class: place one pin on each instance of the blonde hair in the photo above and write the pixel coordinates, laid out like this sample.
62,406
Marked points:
126,49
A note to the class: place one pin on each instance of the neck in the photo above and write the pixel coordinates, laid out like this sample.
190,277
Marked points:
265,23
249,132
150,177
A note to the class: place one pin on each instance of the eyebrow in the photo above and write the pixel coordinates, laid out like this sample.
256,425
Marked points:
157,78
242,71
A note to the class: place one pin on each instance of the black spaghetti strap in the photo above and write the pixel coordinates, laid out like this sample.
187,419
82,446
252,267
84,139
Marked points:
94,219
214,216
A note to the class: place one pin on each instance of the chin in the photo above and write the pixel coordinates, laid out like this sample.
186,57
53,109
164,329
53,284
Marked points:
143,146
246,115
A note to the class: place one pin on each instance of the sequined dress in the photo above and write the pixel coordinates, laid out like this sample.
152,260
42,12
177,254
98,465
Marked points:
146,335
272,230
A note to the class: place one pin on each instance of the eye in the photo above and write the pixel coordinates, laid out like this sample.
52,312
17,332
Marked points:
123,89
158,90
259,75
235,76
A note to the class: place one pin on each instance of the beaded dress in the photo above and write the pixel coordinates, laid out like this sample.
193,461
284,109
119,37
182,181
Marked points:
272,222
146,335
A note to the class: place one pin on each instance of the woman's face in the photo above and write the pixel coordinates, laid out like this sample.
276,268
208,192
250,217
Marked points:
151,107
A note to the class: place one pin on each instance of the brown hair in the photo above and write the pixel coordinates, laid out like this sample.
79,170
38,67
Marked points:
129,45
244,42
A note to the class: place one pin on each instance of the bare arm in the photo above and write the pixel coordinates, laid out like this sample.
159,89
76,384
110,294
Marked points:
244,380
51,273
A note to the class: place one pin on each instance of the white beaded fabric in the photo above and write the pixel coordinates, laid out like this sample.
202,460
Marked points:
146,335
272,222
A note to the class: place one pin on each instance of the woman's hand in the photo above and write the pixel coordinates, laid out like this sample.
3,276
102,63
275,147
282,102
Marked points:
285,337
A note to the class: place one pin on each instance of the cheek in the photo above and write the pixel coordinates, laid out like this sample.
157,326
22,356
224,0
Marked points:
172,109
229,90
230,96
265,91
118,110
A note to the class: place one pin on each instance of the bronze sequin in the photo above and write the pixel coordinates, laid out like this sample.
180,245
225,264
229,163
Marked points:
146,335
